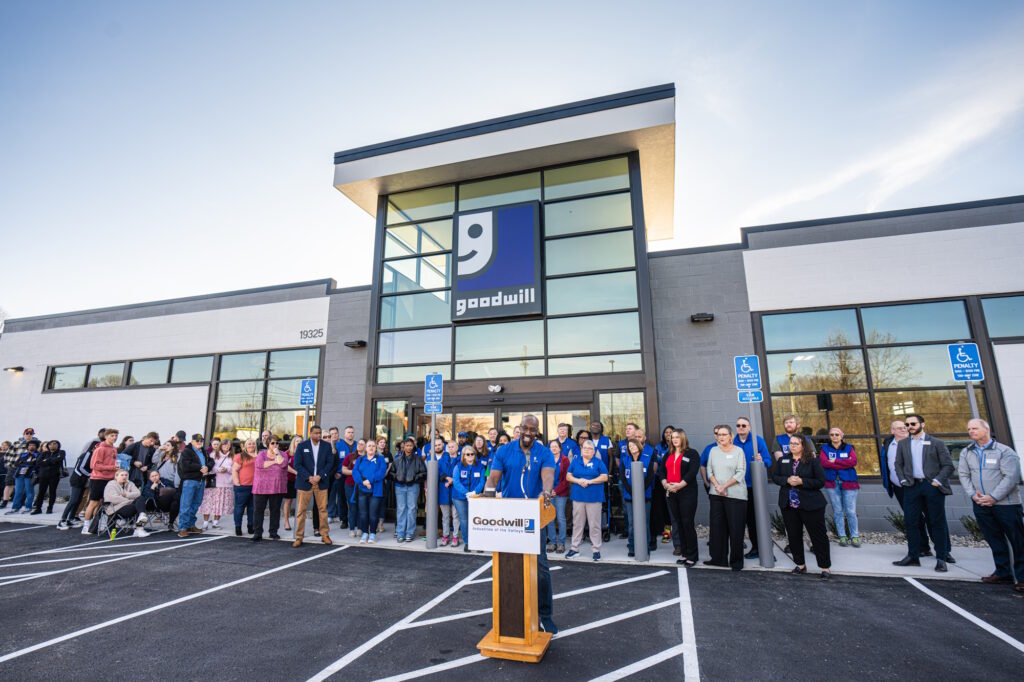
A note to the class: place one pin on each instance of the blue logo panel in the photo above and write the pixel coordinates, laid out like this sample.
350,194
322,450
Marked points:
965,361
497,270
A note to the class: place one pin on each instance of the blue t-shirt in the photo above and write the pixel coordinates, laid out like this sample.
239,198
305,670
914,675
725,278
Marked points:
588,470
602,445
516,479
570,448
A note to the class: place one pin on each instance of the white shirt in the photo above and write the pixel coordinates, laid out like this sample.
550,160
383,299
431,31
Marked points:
890,458
316,451
917,454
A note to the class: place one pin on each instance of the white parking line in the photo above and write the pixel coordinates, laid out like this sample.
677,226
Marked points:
54,561
18,530
642,664
991,629
489,578
691,669
158,607
380,637
90,545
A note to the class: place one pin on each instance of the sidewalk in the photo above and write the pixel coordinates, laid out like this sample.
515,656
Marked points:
868,560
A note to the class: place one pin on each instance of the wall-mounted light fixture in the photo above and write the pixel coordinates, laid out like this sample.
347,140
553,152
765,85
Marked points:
356,344
19,368
495,388
702,317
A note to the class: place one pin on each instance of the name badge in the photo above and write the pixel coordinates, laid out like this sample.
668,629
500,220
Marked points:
784,461
926,442
844,456
729,456
686,459
991,461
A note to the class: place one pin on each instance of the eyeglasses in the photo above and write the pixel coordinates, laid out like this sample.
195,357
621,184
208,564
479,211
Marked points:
274,442
742,426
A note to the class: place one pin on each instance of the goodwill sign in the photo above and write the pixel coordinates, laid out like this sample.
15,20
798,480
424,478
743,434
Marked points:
504,525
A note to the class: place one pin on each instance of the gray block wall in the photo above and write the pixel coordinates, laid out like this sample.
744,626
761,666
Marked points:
344,391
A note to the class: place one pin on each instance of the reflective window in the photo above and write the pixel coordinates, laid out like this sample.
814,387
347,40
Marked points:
474,422
866,450
1004,316
415,310
586,178
240,425
816,371
420,346
288,423
852,414
110,374
391,419
416,274
149,372
62,378
283,393
505,340
571,335
619,409
944,410
190,370
499,191
240,395
899,366
399,375
946,320
817,329
243,366
586,254
576,419
496,370
610,291
587,215
302,362
421,204
596,364
409,240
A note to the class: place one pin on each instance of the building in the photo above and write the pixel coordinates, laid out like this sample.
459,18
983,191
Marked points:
512,256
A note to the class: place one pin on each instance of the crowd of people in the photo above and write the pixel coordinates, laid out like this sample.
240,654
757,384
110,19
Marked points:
352,481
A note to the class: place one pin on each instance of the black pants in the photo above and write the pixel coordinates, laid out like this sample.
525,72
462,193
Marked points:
923,497
168,502
71,510
751,520
727,517
47,484
659,514
130,511
275,513
814,521
316,511
922,527
682,508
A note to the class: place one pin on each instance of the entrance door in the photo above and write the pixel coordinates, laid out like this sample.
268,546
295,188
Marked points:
576,416
480,420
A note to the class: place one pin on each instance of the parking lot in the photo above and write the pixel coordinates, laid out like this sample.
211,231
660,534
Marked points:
75,607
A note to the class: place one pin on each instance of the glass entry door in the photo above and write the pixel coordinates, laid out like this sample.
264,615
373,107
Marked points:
480,420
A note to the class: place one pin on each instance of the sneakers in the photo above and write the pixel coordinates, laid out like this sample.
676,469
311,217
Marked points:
364,538
571,554
206,525
550,547
455,541
140,532
855,541
62,526
400,540
73,522
36,511
216,523
354,532
12,511
142,520
373,538
843,542
444,540
597,556
559,549
85,530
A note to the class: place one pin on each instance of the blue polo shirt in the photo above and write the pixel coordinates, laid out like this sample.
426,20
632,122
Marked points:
602,445
516,479
570,448
588,470
748,450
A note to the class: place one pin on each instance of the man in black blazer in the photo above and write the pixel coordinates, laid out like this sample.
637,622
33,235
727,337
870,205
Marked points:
314,463
924,466
891,481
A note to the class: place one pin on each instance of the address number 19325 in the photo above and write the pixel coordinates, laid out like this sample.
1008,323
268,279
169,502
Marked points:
311,333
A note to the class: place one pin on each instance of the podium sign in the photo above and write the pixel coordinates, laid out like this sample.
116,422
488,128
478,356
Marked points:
500,525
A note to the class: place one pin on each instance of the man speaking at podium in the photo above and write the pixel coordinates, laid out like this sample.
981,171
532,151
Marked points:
525,468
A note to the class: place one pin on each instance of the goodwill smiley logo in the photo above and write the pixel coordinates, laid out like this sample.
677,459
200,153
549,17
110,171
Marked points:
497,263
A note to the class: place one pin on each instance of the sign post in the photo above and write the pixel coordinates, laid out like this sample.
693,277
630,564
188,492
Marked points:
748,390
965,363
433,394
307,397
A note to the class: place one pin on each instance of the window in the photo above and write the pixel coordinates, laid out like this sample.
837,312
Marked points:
816,371
415,310
596,364
240,395
588,215
512,189
619,409
590,293
240,425
418,346
421,204
607,251
149,372
497,370
63,378
191,370
416,274
391,419
504,340
1004,316
416,238
818,329
302,362
574,335
399,375
243,366
896,366
103,376
915,322
586,178
944,411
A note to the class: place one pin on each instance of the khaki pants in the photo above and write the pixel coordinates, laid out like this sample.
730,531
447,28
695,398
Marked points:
304,496
586,513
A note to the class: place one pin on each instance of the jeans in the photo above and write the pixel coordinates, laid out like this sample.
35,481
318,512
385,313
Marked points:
628,506
71,510
1003,529
369,511
407,498
844,502
351,514
24,493
560,519
243,502
462,510
191,498
337,505
923,496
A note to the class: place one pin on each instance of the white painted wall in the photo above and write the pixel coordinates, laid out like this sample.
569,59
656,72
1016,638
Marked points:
1010,363
900,267
73,418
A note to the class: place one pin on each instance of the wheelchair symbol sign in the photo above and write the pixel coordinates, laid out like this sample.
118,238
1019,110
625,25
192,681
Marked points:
307,392
965,362
748,372
433,388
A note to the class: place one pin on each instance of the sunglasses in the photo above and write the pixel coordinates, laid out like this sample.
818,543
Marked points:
742,426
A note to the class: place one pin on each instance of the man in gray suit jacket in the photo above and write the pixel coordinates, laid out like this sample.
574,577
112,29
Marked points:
924,467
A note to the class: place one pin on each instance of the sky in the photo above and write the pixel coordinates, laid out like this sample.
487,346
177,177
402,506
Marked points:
157,150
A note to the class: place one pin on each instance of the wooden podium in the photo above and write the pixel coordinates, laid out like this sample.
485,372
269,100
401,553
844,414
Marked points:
516,634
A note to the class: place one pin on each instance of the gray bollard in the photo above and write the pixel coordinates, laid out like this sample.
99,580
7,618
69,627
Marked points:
765,546
640,533
431,503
